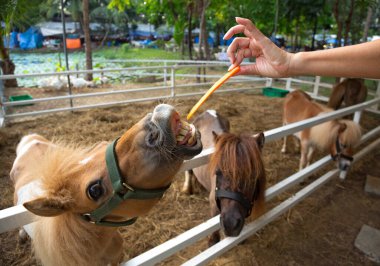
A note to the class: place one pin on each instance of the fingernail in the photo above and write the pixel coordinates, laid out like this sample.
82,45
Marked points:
231,67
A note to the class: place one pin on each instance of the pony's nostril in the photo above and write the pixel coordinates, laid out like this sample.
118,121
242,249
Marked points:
237,223
153,139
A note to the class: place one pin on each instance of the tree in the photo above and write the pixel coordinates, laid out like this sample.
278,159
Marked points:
19,14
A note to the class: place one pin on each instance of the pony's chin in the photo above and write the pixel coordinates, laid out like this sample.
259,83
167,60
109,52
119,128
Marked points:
232,233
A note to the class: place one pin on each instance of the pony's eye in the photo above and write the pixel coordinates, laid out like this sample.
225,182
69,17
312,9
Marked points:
95,190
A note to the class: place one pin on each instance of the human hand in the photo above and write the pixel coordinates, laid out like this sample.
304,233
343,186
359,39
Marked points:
271,61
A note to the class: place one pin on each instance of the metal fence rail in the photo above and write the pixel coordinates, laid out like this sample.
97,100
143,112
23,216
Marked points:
17,216
174,89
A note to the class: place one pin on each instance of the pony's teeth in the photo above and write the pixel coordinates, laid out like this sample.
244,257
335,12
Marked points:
191,140
183,132
180,138
192,130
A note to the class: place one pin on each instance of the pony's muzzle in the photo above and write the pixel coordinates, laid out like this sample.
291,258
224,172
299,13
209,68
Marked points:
232,223
344,165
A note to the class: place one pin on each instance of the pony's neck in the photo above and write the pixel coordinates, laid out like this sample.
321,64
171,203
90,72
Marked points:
69,240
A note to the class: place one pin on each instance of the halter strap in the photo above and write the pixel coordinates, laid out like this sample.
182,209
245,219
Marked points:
236,195
339,153
121,192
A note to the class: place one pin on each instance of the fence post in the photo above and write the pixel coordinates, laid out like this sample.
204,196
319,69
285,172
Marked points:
269,82
165,73
172,82
316,85
288,83
357,116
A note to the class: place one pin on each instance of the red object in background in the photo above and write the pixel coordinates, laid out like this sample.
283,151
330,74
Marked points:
73,43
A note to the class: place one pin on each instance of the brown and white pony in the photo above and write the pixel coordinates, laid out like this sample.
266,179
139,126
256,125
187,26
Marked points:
235,175
337,136
350,91
82,195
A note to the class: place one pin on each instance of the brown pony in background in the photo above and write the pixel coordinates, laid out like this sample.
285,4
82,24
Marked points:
67,186
338,136
235,175
350,92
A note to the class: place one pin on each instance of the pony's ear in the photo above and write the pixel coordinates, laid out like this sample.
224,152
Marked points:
342,127
215,135
260,140
46,207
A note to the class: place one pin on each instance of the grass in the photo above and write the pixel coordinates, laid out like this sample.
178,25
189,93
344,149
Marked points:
138,53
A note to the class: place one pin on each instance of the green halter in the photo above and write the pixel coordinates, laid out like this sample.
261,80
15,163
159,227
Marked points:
121,191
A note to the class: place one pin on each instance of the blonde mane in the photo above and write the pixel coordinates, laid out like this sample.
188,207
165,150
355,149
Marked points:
352,135
325,134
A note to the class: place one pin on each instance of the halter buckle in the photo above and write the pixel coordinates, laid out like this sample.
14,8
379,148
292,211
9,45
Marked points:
128,186
87,217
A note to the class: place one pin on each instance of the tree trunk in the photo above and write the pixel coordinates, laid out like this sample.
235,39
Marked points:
348,23
189,35
367,24
87,38
7,66
297,34
201,29
338,22
314,32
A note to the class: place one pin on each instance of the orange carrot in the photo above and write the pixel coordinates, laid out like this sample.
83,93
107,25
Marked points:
212,89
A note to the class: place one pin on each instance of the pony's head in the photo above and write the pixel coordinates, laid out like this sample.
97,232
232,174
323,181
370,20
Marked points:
347,137
240,178
121,180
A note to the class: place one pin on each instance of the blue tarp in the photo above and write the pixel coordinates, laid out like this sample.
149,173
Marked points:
31,39
13,42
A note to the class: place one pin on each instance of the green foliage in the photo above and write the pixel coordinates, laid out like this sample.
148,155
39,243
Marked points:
125,47
160,44
120,5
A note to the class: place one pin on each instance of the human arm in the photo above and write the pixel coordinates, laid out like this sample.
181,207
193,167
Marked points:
362,60
355,61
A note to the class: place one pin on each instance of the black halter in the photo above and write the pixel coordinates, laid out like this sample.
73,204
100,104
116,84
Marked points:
339,154
236,196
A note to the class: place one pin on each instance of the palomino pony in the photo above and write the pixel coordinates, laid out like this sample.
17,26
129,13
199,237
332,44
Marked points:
235,175
82,195
350,91
337,136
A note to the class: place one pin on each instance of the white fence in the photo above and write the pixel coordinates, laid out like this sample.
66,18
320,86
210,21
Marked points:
168,69
17,216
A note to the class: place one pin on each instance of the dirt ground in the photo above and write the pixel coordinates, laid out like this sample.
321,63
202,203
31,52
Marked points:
321,230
